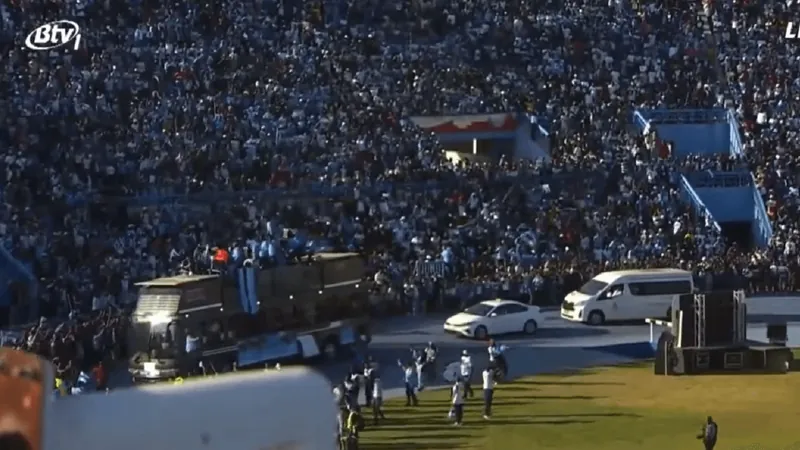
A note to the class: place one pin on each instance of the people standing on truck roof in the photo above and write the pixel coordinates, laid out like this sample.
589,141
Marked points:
221,258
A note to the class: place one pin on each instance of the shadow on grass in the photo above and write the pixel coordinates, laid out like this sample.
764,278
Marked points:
519,400
527,383
428,421
527,400
596,415
439,443
529,421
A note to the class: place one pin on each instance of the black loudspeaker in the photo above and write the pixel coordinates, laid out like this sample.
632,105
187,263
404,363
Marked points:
720,320
687,329
777,334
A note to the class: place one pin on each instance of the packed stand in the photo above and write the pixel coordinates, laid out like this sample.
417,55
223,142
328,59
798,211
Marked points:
82,348
761,75
208,104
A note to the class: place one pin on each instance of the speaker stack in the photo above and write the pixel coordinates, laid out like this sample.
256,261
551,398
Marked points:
777,334
709,334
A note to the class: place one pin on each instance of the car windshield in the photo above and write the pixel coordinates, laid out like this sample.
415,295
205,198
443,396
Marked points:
592,287
479,310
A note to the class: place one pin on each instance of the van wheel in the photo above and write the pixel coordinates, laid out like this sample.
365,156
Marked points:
596,318
330,349
481,333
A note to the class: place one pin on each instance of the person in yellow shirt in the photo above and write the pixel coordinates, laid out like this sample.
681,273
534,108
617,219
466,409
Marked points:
354,424
61,387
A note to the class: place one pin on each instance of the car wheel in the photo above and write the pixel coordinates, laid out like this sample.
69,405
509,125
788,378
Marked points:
530,327
596,318
481,333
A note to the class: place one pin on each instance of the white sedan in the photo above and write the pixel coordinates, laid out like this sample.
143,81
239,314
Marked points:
494,317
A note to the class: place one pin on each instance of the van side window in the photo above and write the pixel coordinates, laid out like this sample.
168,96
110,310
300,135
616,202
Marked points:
614,291
660,288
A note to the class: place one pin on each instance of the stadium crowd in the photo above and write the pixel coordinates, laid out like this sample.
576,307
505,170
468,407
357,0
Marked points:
275,128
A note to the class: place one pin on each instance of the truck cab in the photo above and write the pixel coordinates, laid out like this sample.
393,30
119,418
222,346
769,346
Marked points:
166,311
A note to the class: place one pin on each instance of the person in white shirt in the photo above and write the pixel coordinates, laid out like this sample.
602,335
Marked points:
466,374
377,399
408,381
457,396
488,392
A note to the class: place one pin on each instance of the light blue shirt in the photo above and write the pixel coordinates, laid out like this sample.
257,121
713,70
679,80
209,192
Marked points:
447,255
192,343
408,375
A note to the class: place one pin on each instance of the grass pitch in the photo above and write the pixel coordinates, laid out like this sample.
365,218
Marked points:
619,408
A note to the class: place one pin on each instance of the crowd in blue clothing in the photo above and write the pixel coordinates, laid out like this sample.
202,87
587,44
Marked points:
275,129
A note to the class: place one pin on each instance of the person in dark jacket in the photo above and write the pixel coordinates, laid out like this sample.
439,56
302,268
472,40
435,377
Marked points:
709,434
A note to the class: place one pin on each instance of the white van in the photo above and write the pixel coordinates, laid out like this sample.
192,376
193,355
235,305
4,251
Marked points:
626,295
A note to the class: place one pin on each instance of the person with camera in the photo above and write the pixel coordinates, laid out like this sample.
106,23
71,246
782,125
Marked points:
709,434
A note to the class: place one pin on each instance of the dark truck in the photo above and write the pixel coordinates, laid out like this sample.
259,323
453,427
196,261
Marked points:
286,314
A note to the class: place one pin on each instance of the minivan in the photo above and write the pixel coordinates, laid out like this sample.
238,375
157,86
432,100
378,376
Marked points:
626,295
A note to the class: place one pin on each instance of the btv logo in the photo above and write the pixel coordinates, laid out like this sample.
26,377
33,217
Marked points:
791,30
53,35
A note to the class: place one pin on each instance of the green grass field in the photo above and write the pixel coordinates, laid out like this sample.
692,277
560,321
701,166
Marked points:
619,408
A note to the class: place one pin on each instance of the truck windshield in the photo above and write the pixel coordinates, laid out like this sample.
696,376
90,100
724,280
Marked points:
162,343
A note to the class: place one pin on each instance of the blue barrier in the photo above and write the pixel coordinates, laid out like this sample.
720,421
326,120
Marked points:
728,204
241,284
735,137
250,275
666,116
691,197
713,179
762,228
693,131
639,120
